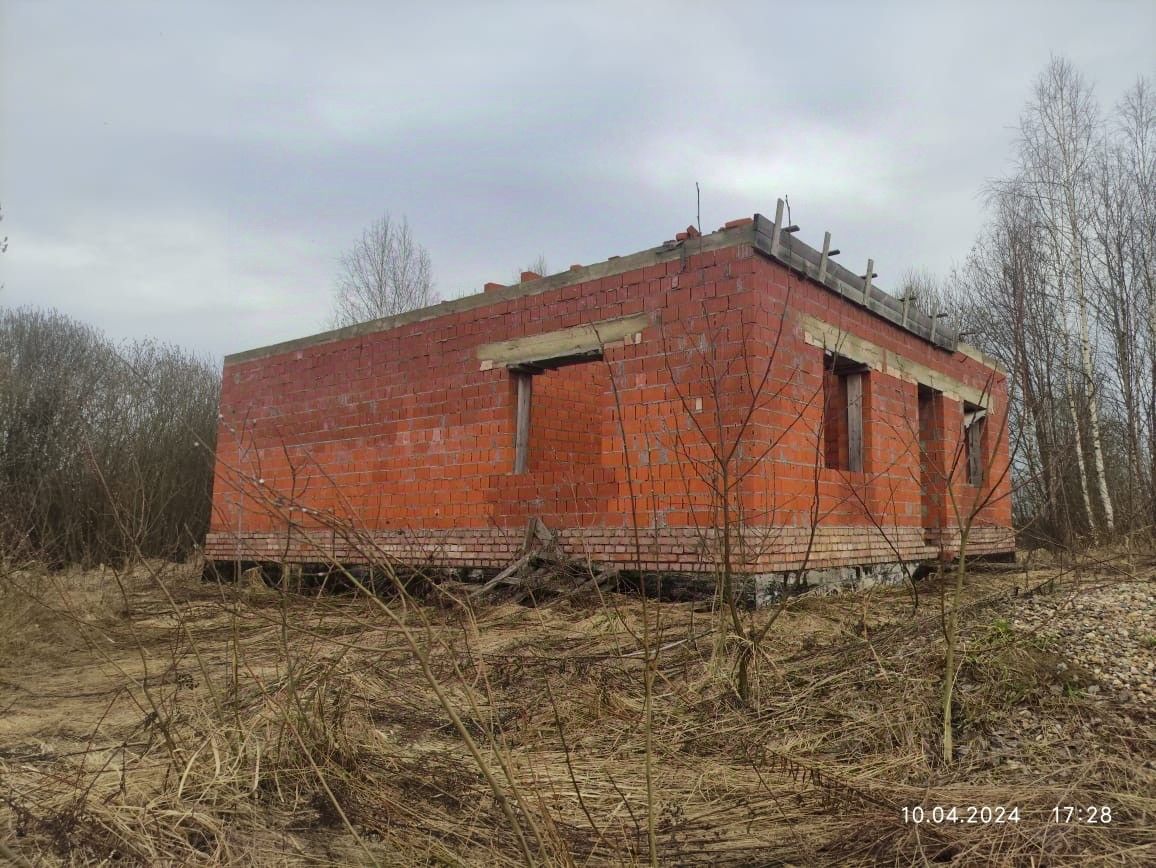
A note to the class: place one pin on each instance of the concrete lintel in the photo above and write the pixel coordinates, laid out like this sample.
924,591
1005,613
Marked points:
983,358
563,343
832,338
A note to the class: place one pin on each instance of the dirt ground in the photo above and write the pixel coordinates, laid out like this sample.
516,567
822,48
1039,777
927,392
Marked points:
149,718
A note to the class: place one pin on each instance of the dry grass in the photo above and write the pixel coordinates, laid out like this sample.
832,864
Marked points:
152,719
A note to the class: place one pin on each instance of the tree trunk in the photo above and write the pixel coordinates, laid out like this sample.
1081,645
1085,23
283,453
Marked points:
1152,386
1088,370
1081,464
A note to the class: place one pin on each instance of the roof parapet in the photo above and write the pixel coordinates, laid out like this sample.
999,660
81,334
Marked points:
771,239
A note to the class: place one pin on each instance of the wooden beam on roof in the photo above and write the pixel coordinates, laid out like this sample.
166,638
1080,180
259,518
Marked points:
867,278
776,231
824,256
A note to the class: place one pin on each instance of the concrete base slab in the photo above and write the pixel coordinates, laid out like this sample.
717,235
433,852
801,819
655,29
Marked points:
770,588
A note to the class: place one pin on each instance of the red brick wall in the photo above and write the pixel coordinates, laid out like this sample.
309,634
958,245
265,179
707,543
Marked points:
835,443
566,483
399,433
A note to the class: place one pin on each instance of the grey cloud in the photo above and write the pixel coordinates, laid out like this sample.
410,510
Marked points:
193,172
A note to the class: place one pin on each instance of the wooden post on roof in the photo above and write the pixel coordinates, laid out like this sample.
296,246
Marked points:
935,318
823,258
778,228
867,283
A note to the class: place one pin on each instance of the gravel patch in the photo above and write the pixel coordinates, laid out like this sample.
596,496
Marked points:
1110,631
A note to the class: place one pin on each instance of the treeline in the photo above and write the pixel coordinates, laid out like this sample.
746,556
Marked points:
105,451
1061,287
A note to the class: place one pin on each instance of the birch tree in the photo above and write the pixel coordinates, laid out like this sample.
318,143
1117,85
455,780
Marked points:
1137,127
1119,300
1058,139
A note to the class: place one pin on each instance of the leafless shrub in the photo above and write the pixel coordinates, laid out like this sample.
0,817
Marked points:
103,450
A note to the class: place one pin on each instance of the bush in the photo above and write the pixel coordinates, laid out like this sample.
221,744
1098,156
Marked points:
105,452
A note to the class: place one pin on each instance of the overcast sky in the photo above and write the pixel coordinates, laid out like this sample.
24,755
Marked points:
192,171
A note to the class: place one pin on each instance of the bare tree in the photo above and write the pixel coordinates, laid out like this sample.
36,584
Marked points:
1118,255
538,265
3,241
1137,148
386,272
1061,287
1009,303
1059,138
921,287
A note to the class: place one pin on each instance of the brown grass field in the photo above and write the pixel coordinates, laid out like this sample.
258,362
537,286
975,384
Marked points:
149,718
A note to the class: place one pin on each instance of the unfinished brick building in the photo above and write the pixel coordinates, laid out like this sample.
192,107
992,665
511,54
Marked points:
739,380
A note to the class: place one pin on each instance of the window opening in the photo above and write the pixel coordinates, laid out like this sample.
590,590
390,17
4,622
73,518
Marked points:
523,374
843,412
930,423
974,423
